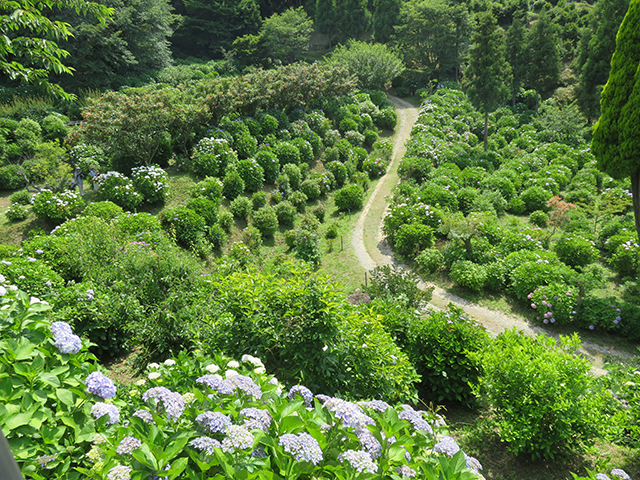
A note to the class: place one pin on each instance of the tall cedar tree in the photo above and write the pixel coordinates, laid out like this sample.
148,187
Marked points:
597,45
543,57
385,17
324,15
516,53
488,74
616,136
351,18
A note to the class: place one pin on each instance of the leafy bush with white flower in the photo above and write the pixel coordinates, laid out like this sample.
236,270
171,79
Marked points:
119,189
16,212
211,157
151,182
57,207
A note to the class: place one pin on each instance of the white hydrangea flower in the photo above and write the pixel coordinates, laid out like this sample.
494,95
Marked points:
154,375
213,368
233,364
153,366
169,362
230,373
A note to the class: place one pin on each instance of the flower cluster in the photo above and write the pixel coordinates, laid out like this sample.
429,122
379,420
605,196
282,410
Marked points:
128,445
100,385
237,438
172,402
302,446
359,460
214,422
101,409
304,392
64,338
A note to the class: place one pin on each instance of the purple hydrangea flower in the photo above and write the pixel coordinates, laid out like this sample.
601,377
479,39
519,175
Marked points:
145,416
352,415
256,418
214,422
591,327
602,476
446,445
621,474
416,419
473,464
303,447
64,339
369,443
238,438
304,392
100,409
128,445
377,405
205,444
246,385
119,472
405,471
172,402
100,385
359,460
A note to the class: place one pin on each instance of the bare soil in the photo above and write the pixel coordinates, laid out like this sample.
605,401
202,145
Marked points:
372,250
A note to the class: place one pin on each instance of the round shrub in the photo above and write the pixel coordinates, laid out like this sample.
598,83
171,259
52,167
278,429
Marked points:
232,185
151,182
265,220
466,198
16,212
136,223
216,236
626,259
374,167
539,218
184,224
10,178
240,207
252,174
258,200
307,247
206,208
535,198
269,163
430,260
305,149
285,212
349,198
294,173
225,220
119,189
319,212
287,153
210,188
54,127
310,222
57,207
411,239
298,200
576,251
268,124
468,275
22,197
86,156
311,189
354,138
370,137
603,314
496,276
534,274
105,210
339,172
387,119
211,157
554,303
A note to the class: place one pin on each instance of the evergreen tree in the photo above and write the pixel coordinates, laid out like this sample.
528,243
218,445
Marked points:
616,136
351,18
286,35
543,57
516,53
324,16
488,73
385,17
596,47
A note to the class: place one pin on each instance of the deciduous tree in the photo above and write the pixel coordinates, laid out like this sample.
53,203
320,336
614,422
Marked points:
616,136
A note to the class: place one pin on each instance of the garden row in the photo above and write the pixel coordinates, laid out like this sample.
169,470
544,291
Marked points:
461,210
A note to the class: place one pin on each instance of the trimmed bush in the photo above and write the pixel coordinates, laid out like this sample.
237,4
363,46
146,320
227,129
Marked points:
211,157
232,185
184,224
206,208
539,218
298,200
16,212
285,212
106,210
294,174
241,207
468,275
10,178
349,198
251,173
535,198
119,189
265,220
576,251
311,189
269,163
411,239
57,207
430,260
339,172
151,182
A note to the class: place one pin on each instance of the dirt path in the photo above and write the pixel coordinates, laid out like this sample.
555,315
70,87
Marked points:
372,250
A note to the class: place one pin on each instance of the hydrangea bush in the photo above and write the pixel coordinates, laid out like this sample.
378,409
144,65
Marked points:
119,189
57,207
151,182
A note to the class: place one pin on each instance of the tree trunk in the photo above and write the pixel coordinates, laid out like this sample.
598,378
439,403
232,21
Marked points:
635,191
486,131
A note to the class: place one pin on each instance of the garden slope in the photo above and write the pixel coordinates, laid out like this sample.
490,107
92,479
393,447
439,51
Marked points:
372,250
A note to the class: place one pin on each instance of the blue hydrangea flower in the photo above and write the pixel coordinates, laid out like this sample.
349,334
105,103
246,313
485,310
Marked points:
473,464
447,446
304,392
416,419
205,444
302,446
145,416
214,422
128,445
100,385
246,385
172,402
238,438
369,442
119,472
619,473
64,339
377,405
100,409
359,460
405,471
352,415
256,418
602,476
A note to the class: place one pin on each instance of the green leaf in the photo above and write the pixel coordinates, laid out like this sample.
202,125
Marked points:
65,396
17,420
49,379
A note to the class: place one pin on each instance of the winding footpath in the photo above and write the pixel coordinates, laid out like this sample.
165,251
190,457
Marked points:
372,250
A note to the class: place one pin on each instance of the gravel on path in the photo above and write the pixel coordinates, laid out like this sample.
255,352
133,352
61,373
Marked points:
370,222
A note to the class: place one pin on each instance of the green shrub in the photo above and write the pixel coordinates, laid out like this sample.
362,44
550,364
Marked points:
374,167
349,198
319,212
528,276
16,212
554,303
468,275
625,261
22,197
210,188
306,246
119,189
217,236
542,394
467,198
332,231
430,260
285,212
305,149
211,157
269,163
287,153
241,207
106,210
294,174
10,178
151,182
258,200
251,173
184,224
387,119
54,127
411,239
232,185
132,224
206,208
576,251
603,314
496,276
298,200
339,172
394,284
311,189
265,220
535,198
57,207
539,218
